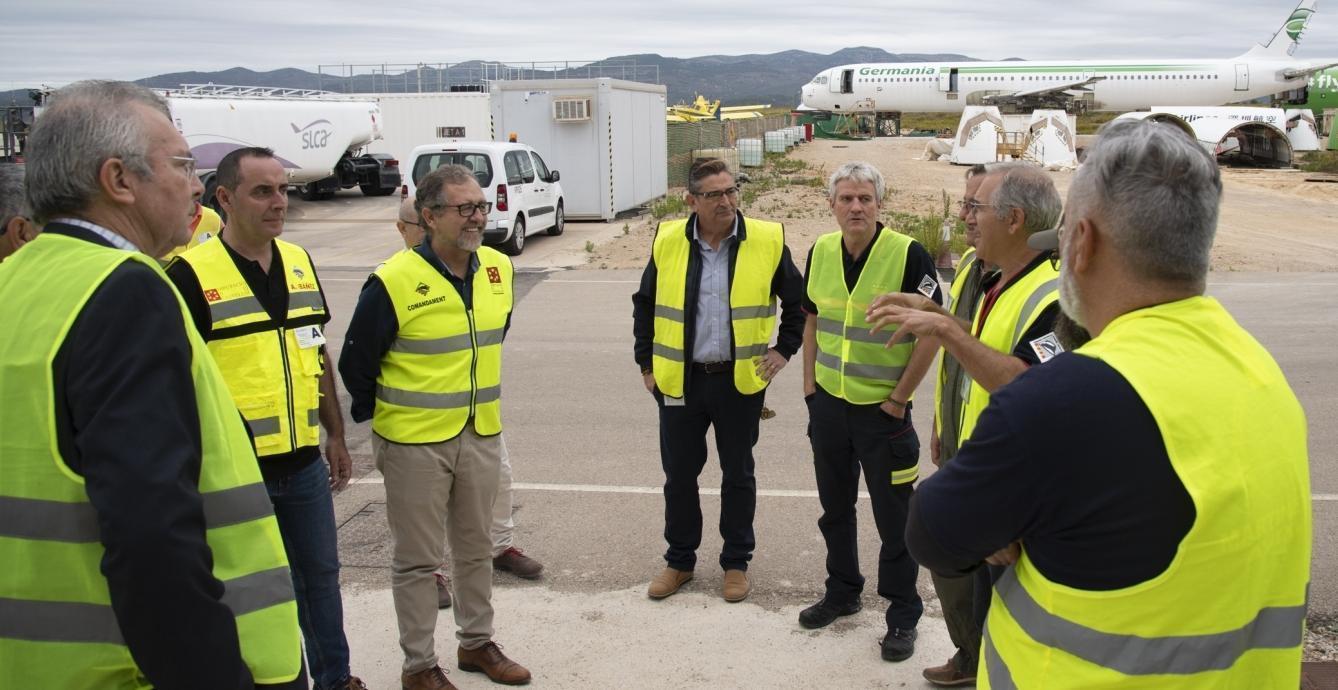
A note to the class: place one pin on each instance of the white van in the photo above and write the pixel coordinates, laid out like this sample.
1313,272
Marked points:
525,194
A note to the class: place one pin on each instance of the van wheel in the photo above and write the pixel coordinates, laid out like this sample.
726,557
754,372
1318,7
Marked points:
559,222
516,245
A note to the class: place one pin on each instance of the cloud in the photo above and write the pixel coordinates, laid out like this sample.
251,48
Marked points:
65,40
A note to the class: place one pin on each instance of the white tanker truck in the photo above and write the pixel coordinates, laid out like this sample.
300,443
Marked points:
317,136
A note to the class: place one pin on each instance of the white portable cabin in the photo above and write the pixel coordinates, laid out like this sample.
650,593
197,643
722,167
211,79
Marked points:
414,119
977,135
606,136
1050,139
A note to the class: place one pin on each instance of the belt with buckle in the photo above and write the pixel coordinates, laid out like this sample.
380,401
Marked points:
713,367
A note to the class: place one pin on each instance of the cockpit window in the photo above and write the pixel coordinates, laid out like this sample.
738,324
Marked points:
822,79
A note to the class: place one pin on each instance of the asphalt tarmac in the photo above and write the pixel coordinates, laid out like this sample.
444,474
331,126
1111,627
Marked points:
582,435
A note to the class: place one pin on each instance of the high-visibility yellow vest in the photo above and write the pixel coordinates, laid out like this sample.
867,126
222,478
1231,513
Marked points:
205,227
445,366
273,369
58,628
752,308
948,409
1013,313
1230,610
853,364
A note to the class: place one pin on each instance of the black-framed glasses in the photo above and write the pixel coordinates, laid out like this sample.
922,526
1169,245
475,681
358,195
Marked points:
717,194
467,210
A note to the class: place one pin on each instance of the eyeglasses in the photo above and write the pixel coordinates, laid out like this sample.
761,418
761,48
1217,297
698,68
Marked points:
467,210
970,207
187,163
715,196
408,222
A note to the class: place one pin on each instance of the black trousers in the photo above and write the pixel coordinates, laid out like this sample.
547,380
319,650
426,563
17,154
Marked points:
711,401
846,438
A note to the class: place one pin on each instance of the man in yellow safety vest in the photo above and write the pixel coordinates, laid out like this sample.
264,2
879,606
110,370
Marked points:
1150,490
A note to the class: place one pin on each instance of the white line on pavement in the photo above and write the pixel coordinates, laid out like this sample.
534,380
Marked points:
619,282
614,489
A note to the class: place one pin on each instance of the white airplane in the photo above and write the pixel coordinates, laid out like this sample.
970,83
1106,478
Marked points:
1074,85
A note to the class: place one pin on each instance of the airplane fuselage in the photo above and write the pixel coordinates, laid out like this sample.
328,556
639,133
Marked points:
1121,85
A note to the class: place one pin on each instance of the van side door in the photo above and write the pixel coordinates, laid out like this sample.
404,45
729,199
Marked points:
519,189
545,195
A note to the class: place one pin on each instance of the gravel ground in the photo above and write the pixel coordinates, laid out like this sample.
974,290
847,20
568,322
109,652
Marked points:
1321,639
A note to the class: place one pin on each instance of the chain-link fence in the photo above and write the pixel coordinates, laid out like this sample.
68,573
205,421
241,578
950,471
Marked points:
686,137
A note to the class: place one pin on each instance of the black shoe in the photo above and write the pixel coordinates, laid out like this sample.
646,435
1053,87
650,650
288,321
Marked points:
821,614
899,644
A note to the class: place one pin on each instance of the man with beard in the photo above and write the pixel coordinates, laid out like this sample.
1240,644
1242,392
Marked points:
423,360
1151,488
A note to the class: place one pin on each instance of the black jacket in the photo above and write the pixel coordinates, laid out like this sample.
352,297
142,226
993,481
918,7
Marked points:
786,283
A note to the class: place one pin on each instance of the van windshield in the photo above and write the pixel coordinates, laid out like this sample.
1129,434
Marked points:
478,162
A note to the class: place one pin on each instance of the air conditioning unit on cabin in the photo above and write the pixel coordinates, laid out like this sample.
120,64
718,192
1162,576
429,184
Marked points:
571,109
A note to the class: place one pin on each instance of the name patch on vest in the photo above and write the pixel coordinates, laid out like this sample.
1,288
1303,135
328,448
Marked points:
495,280
1047,347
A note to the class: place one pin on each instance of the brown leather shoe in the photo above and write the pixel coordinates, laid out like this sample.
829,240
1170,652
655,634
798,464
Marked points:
668,582
443,590
947,675
736,586
490,660
427,679
514,561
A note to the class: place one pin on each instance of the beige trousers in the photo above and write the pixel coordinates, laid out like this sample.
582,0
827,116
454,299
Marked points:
503,523
438,492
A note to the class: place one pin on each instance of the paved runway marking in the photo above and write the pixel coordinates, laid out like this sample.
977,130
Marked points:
613,489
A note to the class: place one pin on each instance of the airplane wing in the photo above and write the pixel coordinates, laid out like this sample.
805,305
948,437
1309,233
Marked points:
1305,71
1078,86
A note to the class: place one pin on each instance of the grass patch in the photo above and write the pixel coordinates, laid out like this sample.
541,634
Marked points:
1088,123
1320,162
788,166
669,205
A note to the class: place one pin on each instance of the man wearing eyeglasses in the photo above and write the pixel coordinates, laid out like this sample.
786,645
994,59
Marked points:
506,556
702,323
423,361
140,547
1150,488
258,303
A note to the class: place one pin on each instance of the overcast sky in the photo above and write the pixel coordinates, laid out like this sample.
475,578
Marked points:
58,41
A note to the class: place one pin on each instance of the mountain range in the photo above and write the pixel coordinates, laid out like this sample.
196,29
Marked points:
734,79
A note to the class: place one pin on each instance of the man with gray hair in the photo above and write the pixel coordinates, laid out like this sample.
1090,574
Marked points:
423,360
16,229
1151,487
140,544
859,400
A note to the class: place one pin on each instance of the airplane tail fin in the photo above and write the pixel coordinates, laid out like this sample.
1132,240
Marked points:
1284,42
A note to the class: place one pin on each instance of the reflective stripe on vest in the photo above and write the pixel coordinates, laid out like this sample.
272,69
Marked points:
962,297
752,306
853,364
445,365
274,381
57,628
1014,311
1221,405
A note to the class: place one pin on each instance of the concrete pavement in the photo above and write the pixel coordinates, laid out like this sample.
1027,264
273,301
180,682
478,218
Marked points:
581,430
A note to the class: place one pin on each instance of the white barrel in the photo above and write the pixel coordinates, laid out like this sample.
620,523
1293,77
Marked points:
750,152
775,142
730,156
